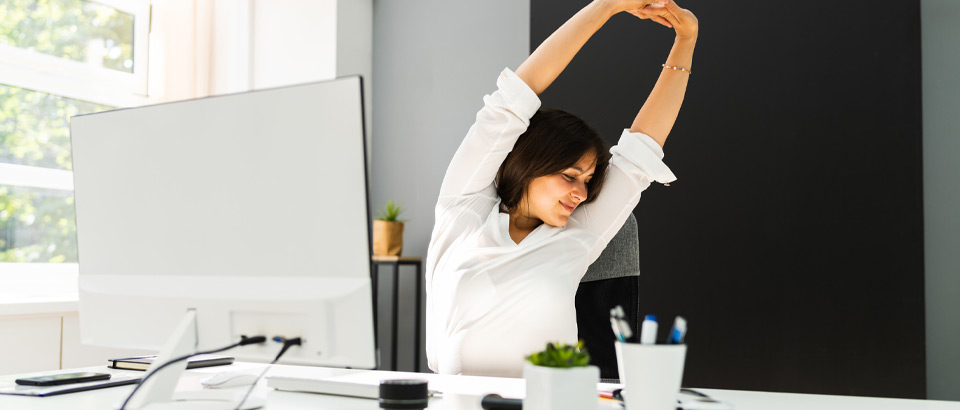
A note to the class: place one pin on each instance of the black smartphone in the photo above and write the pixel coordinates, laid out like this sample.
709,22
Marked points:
64,378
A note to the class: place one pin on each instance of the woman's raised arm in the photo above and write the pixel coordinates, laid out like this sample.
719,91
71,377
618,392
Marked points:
552,56
659,112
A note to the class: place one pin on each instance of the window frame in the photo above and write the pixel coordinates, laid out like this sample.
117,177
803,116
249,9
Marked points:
76,80
50,74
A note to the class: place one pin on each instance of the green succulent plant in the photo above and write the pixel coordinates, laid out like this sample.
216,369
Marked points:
561,355
390,212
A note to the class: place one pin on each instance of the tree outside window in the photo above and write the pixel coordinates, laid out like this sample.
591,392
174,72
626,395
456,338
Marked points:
37,224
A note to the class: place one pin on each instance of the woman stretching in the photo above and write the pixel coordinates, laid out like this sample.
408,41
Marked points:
521,215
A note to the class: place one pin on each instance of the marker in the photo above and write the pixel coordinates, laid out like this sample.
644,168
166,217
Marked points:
648,331
611,395
621,329
615,324
496,402
679,331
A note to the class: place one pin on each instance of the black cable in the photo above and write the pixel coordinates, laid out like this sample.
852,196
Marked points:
287,343
243,342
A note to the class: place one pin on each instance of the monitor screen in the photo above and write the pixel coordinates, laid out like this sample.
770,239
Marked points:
250,209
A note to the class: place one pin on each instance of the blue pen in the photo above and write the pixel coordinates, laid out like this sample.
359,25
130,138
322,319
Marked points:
679,331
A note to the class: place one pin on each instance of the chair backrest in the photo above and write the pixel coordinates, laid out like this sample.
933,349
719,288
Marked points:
611,280
620,258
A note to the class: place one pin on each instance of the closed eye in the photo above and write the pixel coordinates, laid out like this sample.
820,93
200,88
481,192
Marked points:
569,178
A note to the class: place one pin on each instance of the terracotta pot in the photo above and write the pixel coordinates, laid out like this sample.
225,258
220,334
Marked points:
387,238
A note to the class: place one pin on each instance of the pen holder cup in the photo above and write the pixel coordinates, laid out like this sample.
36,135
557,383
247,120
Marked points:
650,374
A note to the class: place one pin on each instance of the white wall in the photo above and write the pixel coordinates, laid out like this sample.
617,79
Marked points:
941,194
355,53
433,61
293,41
296,41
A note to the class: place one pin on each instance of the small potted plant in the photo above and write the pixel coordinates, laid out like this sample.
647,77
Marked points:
388,231
560,377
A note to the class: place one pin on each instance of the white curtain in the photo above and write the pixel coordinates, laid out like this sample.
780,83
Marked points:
198,48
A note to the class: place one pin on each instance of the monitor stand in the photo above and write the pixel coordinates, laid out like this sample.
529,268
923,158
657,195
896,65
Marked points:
159,392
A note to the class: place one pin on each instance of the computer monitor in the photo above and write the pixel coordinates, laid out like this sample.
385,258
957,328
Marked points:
247,211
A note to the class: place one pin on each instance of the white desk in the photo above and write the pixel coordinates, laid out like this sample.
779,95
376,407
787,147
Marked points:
461,393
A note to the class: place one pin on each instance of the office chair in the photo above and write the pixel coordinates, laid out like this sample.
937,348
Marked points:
611,280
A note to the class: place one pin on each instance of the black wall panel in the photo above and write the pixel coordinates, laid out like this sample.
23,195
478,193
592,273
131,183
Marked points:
793,238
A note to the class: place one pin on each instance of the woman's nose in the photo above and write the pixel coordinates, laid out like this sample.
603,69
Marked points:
580,192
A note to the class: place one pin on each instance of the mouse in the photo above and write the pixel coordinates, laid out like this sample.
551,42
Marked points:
228,379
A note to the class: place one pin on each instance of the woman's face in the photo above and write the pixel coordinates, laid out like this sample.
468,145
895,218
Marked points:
552,198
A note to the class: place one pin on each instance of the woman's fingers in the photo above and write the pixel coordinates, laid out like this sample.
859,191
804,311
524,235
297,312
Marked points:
639,4
670,15
654,12
646,12
648,15
674,10
662,20
627,5
683,20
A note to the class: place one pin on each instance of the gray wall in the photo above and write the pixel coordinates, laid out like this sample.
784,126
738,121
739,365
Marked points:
433,61
941,194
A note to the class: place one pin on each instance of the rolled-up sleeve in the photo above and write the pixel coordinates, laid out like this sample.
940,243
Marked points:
504,117
636,161
644,153
516,96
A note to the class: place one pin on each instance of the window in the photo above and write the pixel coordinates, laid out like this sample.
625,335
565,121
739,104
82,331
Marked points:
58,58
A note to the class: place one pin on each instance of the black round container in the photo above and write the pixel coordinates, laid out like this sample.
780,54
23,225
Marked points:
403,394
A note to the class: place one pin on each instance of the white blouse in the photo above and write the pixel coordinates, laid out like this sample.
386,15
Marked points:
490,301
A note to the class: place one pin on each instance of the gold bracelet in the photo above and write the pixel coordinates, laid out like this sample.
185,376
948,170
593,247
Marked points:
677,68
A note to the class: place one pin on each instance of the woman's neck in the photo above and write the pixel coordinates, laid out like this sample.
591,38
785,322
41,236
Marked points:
520,226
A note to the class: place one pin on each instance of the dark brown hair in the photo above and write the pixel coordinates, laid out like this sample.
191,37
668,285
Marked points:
554,141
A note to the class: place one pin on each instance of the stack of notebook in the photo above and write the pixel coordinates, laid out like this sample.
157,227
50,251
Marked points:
144,362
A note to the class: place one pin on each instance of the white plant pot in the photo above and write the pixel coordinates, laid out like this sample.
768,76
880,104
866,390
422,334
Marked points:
550,388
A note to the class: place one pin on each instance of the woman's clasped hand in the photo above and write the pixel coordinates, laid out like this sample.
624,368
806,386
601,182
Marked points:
665,12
